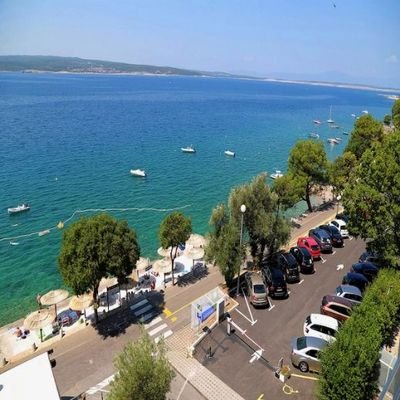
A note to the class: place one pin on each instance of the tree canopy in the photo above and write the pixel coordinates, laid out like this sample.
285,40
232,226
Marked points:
340,170
175,229
94,248
288,190
396,114
308,166
367,130
143,371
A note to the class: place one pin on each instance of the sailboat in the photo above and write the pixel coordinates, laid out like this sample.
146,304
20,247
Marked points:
330,120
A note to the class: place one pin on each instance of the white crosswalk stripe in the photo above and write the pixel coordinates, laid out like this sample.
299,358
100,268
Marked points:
163,335
158,329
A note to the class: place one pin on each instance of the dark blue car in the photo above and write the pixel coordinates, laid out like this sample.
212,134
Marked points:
355,279
368,269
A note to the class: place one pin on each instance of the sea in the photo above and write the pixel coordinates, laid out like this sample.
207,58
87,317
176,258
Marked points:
68,143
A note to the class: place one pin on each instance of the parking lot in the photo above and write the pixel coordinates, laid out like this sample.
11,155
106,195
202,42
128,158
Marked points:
271,330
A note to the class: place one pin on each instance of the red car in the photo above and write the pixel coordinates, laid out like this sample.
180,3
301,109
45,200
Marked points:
311,245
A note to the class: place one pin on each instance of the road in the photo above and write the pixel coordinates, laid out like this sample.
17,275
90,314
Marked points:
273,332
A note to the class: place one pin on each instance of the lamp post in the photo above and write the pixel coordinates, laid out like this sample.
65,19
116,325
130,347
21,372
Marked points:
242,210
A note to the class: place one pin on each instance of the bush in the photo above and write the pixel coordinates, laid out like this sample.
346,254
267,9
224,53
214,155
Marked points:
350,366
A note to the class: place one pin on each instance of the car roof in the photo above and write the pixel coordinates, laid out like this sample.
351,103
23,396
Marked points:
276,272
368,264
318,343
339,300
256,278
324,320
339,221
356,275
309,239
350,289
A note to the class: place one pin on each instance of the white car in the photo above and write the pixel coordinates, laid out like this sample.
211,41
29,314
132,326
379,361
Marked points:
342,227
321,326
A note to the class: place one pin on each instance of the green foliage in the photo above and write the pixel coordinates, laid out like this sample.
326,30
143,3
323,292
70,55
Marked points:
396,114
94,248
175,229
367,130
308,166
288,190
143,371
372,197
339,171
387,119
350,365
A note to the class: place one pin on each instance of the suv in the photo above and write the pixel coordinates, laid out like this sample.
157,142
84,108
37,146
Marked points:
304,259
355,279
289,266
321,326
275,281
349,292
342,227
336,307
305,353
311,245
256,289
334,234
368,269
322,238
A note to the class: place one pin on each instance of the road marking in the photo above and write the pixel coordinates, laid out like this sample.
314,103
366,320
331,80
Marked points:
301,282
154,322
273,305
100,385
244,316
260,397
339,267
312,378
323,260
158,329
167,312
255,356
163,336
334,253
351,238
173,319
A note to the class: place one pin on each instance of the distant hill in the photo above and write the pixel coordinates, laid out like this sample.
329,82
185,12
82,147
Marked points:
75,64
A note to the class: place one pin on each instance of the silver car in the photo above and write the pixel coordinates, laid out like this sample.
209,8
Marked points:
349,292
256,289
305,353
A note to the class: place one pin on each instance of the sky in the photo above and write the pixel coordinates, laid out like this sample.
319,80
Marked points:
339,40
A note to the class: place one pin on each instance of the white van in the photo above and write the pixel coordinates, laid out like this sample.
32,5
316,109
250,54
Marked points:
341,225
321,326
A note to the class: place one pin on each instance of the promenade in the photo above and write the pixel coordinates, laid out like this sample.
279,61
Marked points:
84,357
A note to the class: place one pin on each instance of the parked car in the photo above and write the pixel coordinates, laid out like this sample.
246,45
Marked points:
275,281
336,307
322,238
368,269
289,266
334,234
341,225
343,217
305,353
256,289
321,326
355,279
349,292
370,256
311,245
304,259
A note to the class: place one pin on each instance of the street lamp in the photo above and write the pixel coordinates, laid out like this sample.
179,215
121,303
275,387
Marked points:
242,210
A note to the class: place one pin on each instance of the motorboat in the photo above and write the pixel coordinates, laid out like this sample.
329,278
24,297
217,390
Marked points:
138,172
334,126
229,153
317,121
365,111
20,208
313,135
45,232
330,120
339,139
189,149
353,115
333,141
277,174
345,133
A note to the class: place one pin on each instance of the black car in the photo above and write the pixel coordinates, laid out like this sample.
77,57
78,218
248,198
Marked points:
275,281
333,232
322,238
304,259
370,256
289,266
355,279
368,269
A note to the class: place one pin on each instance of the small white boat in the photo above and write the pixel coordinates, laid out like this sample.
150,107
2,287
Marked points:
339,139
313,135
189,149
138,172
330,120
353,115
229,153
345,133
317,121
365,111
14,243
277,174
45,232
333,141
18,209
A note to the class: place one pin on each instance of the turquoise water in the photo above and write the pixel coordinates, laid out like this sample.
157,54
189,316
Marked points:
69,141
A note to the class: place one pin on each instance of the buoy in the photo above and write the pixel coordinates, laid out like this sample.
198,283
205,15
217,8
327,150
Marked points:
60,225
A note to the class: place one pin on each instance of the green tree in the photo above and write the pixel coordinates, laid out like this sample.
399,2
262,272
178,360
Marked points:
94,248
387,119
372,197
308,165
288,190
367,130
396,114
339,171
143,371
175,229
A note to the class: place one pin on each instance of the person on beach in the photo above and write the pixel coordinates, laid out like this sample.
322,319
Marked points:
18,332
38,300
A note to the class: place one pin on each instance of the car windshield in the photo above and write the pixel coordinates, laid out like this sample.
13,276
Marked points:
334,230
339,290
314,247
301,343
260,289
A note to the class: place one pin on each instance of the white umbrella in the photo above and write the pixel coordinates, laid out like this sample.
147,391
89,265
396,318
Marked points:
196,240
162,266
164,252
195,253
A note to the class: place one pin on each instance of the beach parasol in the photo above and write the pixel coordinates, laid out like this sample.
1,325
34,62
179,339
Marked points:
39,319
79,303
196,240
195,253
162,266
53,297
106,283
164,252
